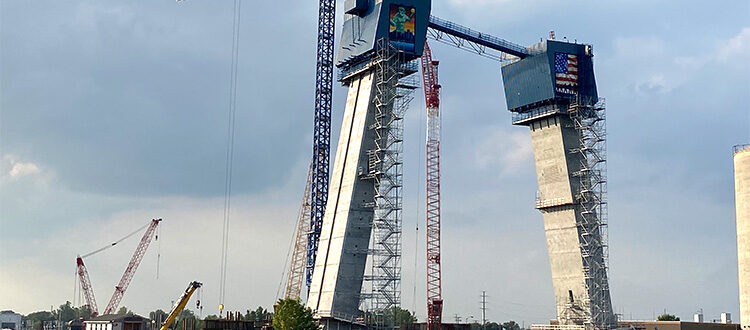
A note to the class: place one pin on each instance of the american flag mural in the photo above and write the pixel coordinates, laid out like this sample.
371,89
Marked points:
566,72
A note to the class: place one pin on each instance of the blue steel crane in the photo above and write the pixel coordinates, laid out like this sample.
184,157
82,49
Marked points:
322,130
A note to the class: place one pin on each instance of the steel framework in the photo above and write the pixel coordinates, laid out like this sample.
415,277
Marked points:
132,267
394,90
297,265
322,130
431,88
589,120
88,291
476,42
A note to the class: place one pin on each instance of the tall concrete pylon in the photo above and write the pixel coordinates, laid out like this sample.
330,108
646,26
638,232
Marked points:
347,225
553,92
742,202
378,41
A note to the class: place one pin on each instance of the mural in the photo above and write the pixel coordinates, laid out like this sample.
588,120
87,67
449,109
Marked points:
401,32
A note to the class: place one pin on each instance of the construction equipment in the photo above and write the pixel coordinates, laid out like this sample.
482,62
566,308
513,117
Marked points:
322,131
135,261
88,291
432,101
85,281
180,304
298,264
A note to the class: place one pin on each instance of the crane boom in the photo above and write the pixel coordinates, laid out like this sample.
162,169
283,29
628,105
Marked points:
88,291
135,261
297,266
180,304
432,214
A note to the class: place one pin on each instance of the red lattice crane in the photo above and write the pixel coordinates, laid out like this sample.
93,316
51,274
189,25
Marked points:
83,273
432,100
88,292
132,267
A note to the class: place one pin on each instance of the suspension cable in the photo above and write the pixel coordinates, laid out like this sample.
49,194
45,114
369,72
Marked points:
230,150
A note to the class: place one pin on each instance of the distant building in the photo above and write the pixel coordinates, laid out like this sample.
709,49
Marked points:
117,322
676,325
10,320
742,202
649,325
444,326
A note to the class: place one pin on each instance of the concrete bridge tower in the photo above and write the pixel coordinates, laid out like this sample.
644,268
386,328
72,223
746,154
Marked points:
554,93
363,212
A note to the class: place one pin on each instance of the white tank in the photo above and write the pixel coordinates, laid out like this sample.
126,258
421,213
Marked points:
742,202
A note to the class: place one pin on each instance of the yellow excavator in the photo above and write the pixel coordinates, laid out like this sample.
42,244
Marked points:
180,304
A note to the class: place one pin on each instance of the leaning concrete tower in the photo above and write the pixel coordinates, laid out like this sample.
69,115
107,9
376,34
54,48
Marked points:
554,93
742,202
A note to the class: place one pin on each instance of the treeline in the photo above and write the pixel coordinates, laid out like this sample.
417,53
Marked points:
291,313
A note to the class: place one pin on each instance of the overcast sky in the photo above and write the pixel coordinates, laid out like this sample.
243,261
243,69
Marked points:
114,112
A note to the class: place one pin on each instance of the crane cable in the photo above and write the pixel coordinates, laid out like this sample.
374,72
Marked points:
115,242
418,208
230,151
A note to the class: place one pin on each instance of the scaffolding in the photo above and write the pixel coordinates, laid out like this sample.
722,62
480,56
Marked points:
394,89
589,120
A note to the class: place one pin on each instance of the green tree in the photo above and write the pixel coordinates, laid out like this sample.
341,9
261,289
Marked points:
84,312
123,310
291,315
511,325
403,316
258,315
36,320
158,316
186,319
667,317
65,312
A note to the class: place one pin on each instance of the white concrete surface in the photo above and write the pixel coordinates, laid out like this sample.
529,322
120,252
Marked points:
347,224
742,202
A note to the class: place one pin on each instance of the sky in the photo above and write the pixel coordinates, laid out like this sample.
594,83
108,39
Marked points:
114,112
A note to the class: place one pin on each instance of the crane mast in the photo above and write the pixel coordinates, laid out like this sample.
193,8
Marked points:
296,275
432,101
135,261
88,291
322,130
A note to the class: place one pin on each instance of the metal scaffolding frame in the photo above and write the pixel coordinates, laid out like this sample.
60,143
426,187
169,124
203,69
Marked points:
394,89
589,120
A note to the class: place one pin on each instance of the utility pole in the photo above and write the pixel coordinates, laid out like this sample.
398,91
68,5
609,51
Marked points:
484,308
